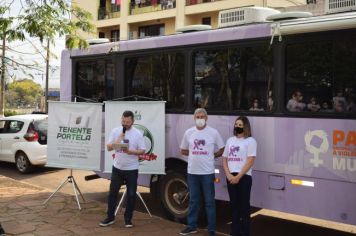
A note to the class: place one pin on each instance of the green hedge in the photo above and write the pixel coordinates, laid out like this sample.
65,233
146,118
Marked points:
10,113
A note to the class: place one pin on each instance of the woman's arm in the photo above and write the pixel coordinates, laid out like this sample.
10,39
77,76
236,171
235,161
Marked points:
229,176
245,168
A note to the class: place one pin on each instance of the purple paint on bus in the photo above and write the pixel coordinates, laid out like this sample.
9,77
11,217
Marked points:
282,151
209,36
290,150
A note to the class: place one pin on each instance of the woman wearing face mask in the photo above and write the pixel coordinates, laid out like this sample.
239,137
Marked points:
238,158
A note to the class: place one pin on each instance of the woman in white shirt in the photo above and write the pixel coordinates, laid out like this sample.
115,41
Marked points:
238,158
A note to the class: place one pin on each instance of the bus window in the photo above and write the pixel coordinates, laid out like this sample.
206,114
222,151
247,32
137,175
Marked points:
157,76
233,78
95,80
324,73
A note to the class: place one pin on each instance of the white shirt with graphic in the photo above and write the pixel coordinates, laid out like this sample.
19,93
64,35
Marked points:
201,145
237,150
136,141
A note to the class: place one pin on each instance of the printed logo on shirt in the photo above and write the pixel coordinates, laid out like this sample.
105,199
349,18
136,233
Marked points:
234,150
198,147
233,154
198,144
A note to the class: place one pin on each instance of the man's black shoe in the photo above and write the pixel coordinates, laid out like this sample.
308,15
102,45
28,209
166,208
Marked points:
107,222
187,231
2,232
128,224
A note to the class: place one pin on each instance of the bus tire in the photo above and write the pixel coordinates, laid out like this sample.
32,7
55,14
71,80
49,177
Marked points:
175,195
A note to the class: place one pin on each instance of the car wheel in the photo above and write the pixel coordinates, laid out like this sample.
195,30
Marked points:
175,195
22,163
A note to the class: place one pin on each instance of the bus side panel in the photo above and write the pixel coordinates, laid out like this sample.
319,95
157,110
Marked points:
327,199
144,180
323,149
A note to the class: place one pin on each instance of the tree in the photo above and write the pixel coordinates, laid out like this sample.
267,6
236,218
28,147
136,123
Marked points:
23,93
45,19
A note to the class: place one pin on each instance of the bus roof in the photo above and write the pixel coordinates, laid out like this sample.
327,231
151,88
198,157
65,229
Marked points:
207,36
261,30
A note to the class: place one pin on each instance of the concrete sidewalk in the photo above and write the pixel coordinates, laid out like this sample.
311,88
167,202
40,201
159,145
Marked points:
22,213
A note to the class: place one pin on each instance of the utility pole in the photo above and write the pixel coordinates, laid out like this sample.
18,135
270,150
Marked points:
2,85
47,76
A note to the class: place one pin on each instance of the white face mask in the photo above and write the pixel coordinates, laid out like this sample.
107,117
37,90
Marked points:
200,122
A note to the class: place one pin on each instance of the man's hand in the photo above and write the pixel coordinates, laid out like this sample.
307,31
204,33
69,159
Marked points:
128,151
184,152
109,147
133,152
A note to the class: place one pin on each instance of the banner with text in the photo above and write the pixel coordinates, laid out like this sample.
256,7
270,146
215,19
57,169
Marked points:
150,120
74,135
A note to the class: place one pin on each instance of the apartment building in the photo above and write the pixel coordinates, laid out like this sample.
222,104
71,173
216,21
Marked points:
133,19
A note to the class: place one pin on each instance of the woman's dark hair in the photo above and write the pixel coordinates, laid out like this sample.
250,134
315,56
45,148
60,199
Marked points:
247,126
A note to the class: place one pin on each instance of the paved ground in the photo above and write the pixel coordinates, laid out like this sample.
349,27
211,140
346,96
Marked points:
21,198
22,213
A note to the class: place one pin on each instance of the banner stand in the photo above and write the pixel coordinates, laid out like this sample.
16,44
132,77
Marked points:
119,207
70,179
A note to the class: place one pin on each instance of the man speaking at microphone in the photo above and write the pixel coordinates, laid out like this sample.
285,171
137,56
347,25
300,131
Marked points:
128,143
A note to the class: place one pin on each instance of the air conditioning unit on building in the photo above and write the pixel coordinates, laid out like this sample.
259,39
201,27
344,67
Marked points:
334,6
244,15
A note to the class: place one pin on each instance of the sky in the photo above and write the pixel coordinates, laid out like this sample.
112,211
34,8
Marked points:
25,52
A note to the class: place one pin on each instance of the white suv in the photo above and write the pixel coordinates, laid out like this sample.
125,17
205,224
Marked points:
23,140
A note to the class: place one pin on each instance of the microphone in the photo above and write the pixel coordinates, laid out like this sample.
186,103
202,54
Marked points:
123,130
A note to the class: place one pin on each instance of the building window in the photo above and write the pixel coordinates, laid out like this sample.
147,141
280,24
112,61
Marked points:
101,35
115,8
151,30
206,21
115,35
311,1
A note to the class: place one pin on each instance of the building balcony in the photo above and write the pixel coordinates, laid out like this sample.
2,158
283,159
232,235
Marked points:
195,2
148,7
105,13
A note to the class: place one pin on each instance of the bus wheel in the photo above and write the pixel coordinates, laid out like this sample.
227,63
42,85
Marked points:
175,195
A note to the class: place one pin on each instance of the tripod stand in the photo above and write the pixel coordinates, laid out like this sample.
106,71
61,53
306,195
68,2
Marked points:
70,179
122,200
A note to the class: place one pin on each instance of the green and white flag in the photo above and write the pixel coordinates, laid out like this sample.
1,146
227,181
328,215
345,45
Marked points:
74,135
150,120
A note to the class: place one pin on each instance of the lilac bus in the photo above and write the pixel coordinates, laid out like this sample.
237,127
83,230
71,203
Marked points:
306,157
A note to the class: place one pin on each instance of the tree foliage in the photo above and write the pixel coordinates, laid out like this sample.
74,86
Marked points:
23,93
45,19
